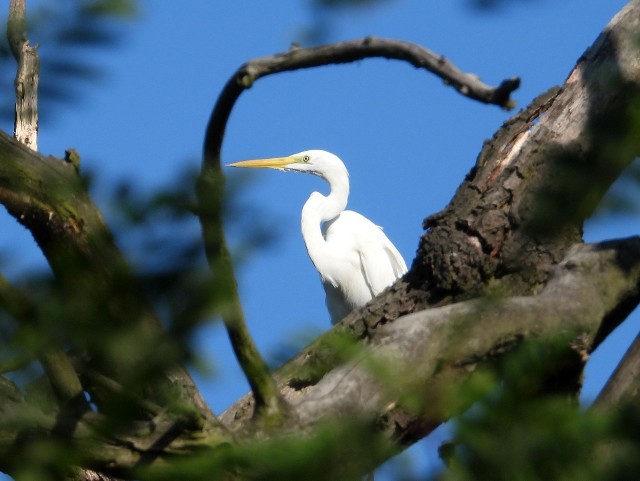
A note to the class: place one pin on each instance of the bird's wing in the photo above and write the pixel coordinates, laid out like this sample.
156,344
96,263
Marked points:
380,262
337,304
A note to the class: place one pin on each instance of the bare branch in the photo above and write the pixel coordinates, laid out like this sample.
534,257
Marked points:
26,83
297,58
624,383
17,26
269,404
345,52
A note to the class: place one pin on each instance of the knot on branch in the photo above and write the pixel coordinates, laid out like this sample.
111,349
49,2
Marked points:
245,79
502,94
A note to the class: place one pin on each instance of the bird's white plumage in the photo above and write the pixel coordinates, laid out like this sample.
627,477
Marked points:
368,263
355,259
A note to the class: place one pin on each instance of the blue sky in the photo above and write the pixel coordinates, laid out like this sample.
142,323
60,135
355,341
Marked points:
407,139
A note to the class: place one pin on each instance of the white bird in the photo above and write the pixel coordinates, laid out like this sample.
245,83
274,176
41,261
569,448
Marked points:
355,259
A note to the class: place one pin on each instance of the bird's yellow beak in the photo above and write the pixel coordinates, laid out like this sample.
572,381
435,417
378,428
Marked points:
274,163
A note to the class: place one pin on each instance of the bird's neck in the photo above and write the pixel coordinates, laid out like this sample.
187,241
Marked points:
319,209
330,206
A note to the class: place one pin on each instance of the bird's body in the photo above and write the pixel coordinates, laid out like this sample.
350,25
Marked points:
370,263
355,259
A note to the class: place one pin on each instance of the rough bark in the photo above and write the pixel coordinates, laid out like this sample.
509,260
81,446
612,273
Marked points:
500,234
512,230
584,293
522,205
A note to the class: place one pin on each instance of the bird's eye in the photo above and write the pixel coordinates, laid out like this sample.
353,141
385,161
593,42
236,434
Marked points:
306,158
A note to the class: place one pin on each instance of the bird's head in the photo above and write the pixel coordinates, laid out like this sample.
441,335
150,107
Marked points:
317,162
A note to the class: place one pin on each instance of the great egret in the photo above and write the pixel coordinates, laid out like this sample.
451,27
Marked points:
355,259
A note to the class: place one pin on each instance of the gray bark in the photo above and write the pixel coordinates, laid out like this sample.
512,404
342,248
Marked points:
503,264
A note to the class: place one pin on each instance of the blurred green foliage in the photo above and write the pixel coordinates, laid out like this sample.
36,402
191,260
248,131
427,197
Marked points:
520,429
338,450
523,432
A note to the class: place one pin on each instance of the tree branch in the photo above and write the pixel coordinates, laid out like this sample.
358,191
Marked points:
429,352
58,367
424,355
269,406
346,52
28,73
524,202
48,197
624,384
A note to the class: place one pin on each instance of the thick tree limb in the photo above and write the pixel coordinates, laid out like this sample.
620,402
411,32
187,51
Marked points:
430,351
584,291
498,233
48,197
522,205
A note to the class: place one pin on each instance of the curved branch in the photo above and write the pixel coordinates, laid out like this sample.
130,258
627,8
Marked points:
269,404
351,51
211,182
